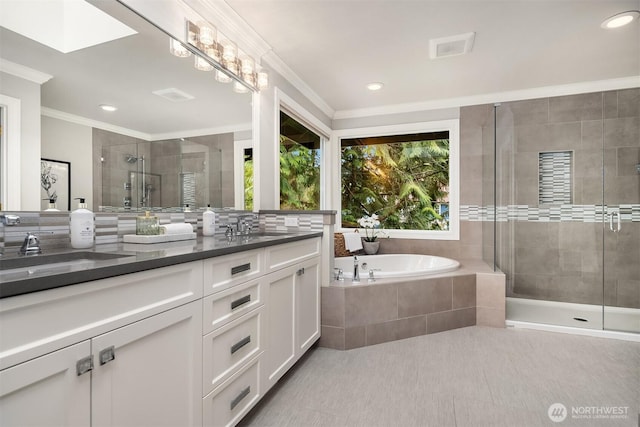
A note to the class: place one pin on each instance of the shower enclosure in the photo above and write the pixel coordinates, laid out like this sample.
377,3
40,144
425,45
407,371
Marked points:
567,208
169,174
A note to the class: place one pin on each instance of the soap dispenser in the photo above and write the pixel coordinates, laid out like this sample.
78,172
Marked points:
147,225
82,225
52,206
208,222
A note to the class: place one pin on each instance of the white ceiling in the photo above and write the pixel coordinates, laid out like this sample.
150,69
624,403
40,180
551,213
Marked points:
338,46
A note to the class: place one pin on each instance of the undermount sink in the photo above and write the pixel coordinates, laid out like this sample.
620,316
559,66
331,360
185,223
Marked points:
47,261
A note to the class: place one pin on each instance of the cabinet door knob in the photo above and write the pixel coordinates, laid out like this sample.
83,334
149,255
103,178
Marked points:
107,355
84,365
300,272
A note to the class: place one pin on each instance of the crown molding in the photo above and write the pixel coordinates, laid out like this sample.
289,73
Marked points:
489,98
79,120
199,132
72,118
296,81
24,72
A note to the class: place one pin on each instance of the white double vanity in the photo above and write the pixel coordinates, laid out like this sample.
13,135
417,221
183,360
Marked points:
195,343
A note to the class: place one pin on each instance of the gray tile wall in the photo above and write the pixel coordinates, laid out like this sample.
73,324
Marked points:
557,253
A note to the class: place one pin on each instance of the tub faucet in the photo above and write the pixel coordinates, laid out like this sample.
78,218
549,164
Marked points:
356,272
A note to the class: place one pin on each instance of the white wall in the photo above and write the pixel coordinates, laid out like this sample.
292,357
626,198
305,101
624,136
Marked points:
29,95
70,142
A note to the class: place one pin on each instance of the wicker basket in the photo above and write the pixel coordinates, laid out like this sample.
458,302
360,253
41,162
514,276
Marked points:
339,248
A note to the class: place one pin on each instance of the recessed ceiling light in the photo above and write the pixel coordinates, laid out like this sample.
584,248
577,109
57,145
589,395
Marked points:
620,19
107,107
375,86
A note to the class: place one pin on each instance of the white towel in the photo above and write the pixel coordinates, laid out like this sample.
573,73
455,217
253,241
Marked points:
352,241
178,228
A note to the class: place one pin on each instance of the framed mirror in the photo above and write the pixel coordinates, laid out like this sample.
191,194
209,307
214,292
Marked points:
168,143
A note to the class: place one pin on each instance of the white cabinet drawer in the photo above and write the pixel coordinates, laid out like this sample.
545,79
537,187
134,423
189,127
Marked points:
281,256
35,324
229,347
223,307
231,401
225,271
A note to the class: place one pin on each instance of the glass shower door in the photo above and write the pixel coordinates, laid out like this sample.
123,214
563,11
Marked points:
621,253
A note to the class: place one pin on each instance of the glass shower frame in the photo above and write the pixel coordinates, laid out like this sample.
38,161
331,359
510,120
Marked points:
571,264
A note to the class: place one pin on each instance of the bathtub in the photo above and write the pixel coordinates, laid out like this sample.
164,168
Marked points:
396,265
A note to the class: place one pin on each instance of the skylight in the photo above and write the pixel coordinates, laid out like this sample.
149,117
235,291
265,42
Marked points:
64,25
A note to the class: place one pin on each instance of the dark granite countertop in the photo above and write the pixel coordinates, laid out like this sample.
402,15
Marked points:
136,257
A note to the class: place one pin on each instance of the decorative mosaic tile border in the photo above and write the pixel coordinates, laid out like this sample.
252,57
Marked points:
552,213
53,227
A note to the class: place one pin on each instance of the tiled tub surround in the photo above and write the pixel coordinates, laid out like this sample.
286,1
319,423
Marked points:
391,309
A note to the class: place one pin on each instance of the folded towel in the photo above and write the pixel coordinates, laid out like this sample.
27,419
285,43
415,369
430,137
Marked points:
352,241
178,228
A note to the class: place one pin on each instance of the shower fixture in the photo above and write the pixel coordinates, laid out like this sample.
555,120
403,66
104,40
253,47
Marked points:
638,167
130,158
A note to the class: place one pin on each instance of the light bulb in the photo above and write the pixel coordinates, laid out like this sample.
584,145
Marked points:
202,64
207,33
222,77
177,49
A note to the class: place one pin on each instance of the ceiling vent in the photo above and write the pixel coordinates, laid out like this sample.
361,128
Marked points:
451,46
173,94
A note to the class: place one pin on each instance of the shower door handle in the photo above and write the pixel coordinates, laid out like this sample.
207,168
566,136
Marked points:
618,225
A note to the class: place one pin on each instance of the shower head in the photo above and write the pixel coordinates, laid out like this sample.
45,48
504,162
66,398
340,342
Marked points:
130,158
638,167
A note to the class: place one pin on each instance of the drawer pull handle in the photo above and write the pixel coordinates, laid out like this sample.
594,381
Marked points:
244,393
237,346
107,355
240,268
240,301
84,365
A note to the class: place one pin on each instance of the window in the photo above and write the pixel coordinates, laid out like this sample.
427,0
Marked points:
406,174
299,165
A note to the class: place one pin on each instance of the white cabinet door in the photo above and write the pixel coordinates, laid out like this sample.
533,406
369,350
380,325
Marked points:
47,391
280,325
307,305
149,373
293,317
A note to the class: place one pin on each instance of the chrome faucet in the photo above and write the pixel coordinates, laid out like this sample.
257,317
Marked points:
30,245
242,226
356,272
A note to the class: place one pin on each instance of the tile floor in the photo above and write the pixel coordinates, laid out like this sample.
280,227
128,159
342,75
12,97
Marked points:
473,376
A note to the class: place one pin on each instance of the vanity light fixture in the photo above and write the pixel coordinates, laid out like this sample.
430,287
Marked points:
263,80
107,107
375,86
177,49
222,77
240,88
206,33
202,64
222,54
620,19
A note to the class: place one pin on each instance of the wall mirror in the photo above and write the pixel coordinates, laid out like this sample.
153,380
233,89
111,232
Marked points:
169,143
